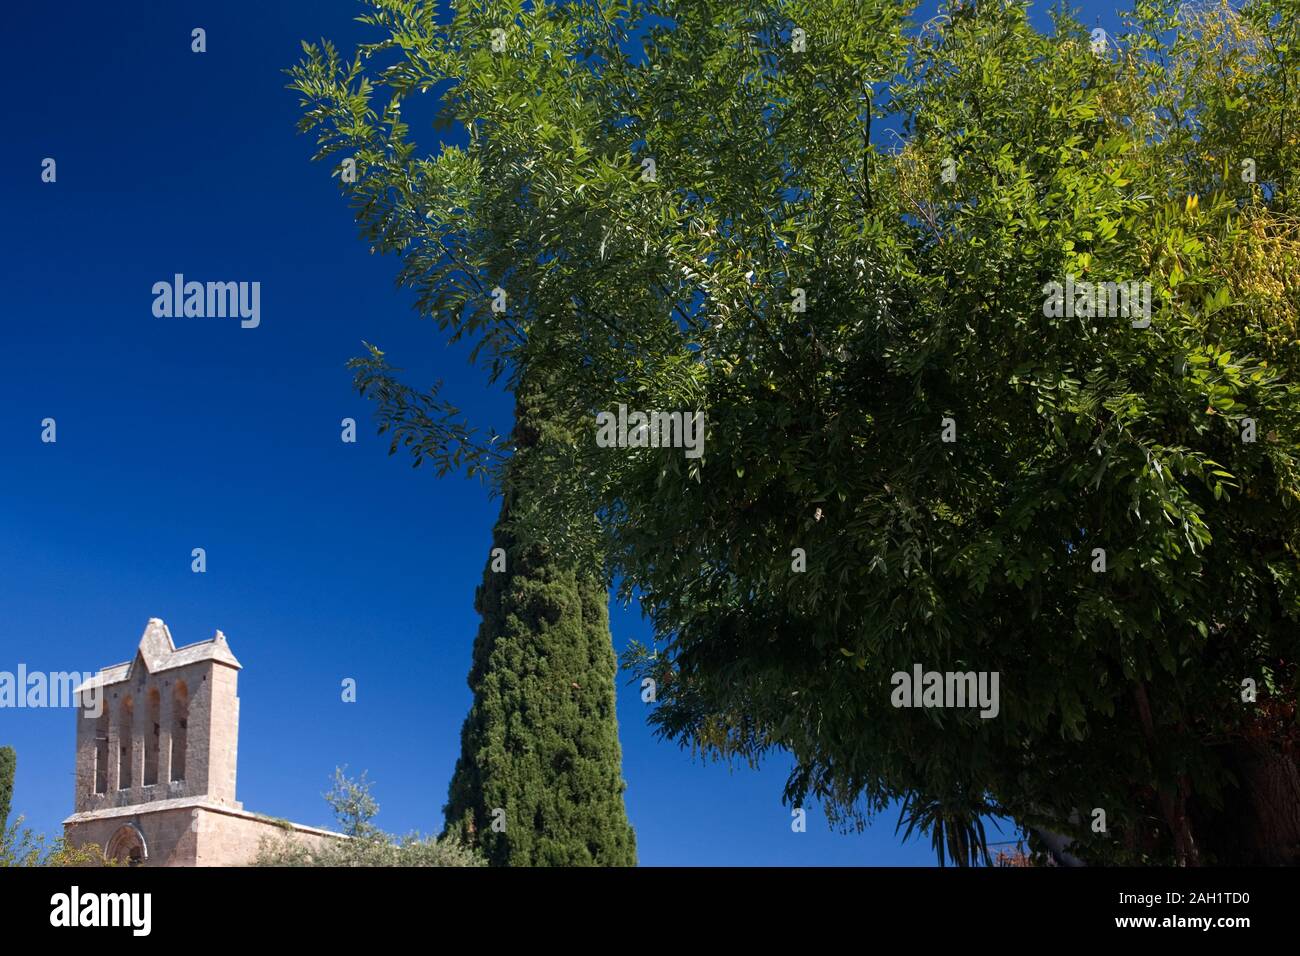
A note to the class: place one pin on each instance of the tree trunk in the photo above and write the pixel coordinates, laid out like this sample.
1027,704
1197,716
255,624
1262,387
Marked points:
1259,823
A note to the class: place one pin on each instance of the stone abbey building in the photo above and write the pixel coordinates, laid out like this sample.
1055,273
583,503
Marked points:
156,767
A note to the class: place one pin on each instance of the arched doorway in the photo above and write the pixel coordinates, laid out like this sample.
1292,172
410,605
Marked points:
127,846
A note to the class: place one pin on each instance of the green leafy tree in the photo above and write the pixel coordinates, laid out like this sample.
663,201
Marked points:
8,765
23,846
539,780
363,843
353,805
834,232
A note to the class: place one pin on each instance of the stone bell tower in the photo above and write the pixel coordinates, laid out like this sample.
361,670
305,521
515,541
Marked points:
157,741
162,727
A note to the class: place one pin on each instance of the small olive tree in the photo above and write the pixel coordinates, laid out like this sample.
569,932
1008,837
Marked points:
362,843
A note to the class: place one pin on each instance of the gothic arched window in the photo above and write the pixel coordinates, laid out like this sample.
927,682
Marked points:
152,738
180,729
125,739
127,846
101,750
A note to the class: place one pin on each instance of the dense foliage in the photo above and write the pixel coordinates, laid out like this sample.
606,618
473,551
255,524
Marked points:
539,781
22,846
948,452
365,844
8,764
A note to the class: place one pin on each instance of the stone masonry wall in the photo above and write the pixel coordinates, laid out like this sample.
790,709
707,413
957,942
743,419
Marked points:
190,835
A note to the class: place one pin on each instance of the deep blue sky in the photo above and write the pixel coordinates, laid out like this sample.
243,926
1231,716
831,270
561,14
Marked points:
325,560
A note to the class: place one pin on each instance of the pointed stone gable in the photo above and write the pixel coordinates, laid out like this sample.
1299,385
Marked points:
156,762
159,653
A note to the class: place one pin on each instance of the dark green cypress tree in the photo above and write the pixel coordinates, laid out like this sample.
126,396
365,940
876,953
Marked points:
540,742
8,763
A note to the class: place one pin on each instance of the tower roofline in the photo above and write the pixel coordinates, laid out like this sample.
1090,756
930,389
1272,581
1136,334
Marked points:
159,653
